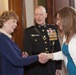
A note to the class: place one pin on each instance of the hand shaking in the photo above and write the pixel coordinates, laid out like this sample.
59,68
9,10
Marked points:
43,57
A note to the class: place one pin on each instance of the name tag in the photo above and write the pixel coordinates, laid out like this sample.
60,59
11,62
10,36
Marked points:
33,35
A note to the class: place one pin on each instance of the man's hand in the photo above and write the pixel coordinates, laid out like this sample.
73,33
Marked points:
58,72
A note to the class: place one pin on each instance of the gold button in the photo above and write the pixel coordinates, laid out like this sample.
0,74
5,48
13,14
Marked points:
46,51
45,42
35,39
43,30
46,48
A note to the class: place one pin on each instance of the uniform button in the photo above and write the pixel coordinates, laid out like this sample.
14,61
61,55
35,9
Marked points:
45,42
44,36
39,26
35,39
46,48
42,30
46,51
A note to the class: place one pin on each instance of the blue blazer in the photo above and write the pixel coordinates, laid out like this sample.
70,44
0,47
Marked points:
11,61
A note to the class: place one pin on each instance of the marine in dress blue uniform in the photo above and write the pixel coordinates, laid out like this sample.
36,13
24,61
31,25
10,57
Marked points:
37,40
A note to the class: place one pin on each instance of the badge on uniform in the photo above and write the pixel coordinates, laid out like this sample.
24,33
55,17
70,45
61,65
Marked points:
44,37
52,34
34,35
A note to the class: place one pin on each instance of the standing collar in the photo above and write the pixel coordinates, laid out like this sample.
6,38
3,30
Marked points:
41,26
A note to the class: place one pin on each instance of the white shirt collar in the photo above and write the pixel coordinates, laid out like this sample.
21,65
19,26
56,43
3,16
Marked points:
2,31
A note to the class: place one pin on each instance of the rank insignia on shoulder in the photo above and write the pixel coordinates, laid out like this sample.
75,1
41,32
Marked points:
33,35
52,34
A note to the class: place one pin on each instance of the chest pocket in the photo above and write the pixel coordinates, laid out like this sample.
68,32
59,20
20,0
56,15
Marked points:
35,37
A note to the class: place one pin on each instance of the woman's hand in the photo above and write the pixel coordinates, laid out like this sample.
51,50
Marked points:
24,54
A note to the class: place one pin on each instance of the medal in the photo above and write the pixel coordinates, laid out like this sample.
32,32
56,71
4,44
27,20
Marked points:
52,34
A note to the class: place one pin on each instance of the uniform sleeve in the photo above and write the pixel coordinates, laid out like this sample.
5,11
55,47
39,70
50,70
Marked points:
27,43
12,56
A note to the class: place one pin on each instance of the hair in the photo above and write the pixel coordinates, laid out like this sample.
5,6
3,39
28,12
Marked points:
6,15
41,7
68,19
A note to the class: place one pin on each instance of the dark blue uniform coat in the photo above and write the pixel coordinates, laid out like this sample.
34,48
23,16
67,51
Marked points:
36,43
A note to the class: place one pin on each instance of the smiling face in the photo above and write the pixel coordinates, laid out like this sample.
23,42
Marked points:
58,22
40,15
10,25
66,21
8,21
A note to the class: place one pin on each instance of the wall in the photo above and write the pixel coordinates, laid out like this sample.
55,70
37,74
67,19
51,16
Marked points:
3,5
75,3
29,12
